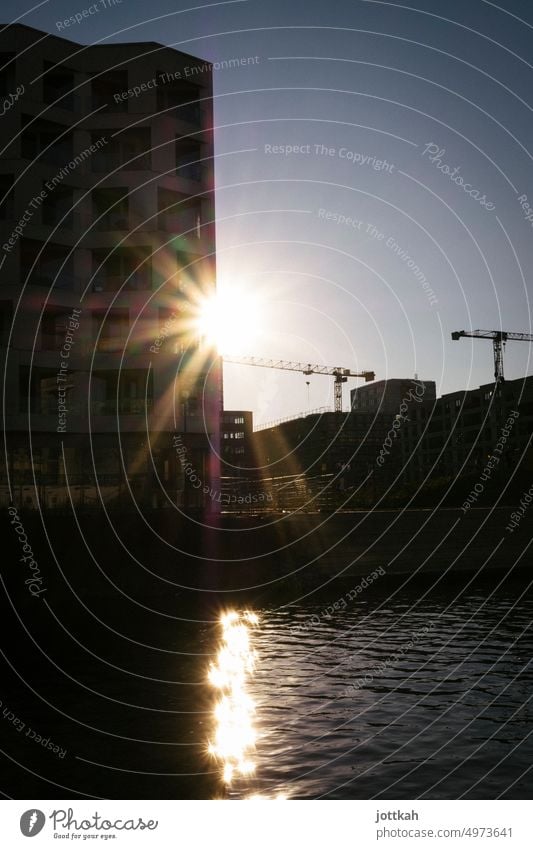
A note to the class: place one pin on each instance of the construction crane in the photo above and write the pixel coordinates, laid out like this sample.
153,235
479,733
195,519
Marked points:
499,338
340,375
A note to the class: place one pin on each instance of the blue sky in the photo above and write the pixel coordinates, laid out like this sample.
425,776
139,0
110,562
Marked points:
350,85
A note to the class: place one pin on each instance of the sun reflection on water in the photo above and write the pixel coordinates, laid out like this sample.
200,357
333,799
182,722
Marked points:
234,740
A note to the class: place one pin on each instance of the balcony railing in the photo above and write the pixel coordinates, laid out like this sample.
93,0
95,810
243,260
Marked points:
126,406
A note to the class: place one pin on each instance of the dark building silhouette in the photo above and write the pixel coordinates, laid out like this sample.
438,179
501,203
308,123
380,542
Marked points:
236,433
386,396
107,235
455,435
325,458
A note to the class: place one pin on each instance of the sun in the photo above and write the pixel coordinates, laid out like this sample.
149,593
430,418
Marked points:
231,320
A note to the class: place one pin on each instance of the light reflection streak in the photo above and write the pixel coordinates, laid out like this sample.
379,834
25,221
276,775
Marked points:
235,736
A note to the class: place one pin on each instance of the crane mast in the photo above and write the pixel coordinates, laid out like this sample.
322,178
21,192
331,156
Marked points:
498,338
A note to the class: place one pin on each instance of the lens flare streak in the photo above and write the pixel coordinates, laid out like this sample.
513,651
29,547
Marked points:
235,736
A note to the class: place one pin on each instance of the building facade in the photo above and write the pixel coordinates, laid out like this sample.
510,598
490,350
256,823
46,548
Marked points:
386,396
108,251
456,435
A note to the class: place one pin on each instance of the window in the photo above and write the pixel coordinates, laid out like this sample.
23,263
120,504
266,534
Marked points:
57,207
181,96
111,208
110,329
42,396
6,319
46,140
105,86
179,213
7,74
238,420
167,319
128,269
53,328
132,388
54,265
128,149
6,196
239,434
188,156
58,84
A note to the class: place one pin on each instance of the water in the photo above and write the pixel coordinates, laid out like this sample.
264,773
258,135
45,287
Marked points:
420,694
406,691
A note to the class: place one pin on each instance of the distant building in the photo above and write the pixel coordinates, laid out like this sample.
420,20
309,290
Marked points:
456,434
108,238
321,457
386,396
236,433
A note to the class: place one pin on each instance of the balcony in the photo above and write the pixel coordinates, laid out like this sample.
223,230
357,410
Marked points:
124,268
58,85
46,141
126,407
129,149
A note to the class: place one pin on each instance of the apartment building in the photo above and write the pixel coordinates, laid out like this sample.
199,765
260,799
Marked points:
456,435
107,251
387,396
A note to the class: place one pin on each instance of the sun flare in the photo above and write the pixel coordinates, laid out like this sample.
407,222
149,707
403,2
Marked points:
231,321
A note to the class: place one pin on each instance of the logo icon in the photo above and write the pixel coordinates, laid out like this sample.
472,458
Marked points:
32,822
